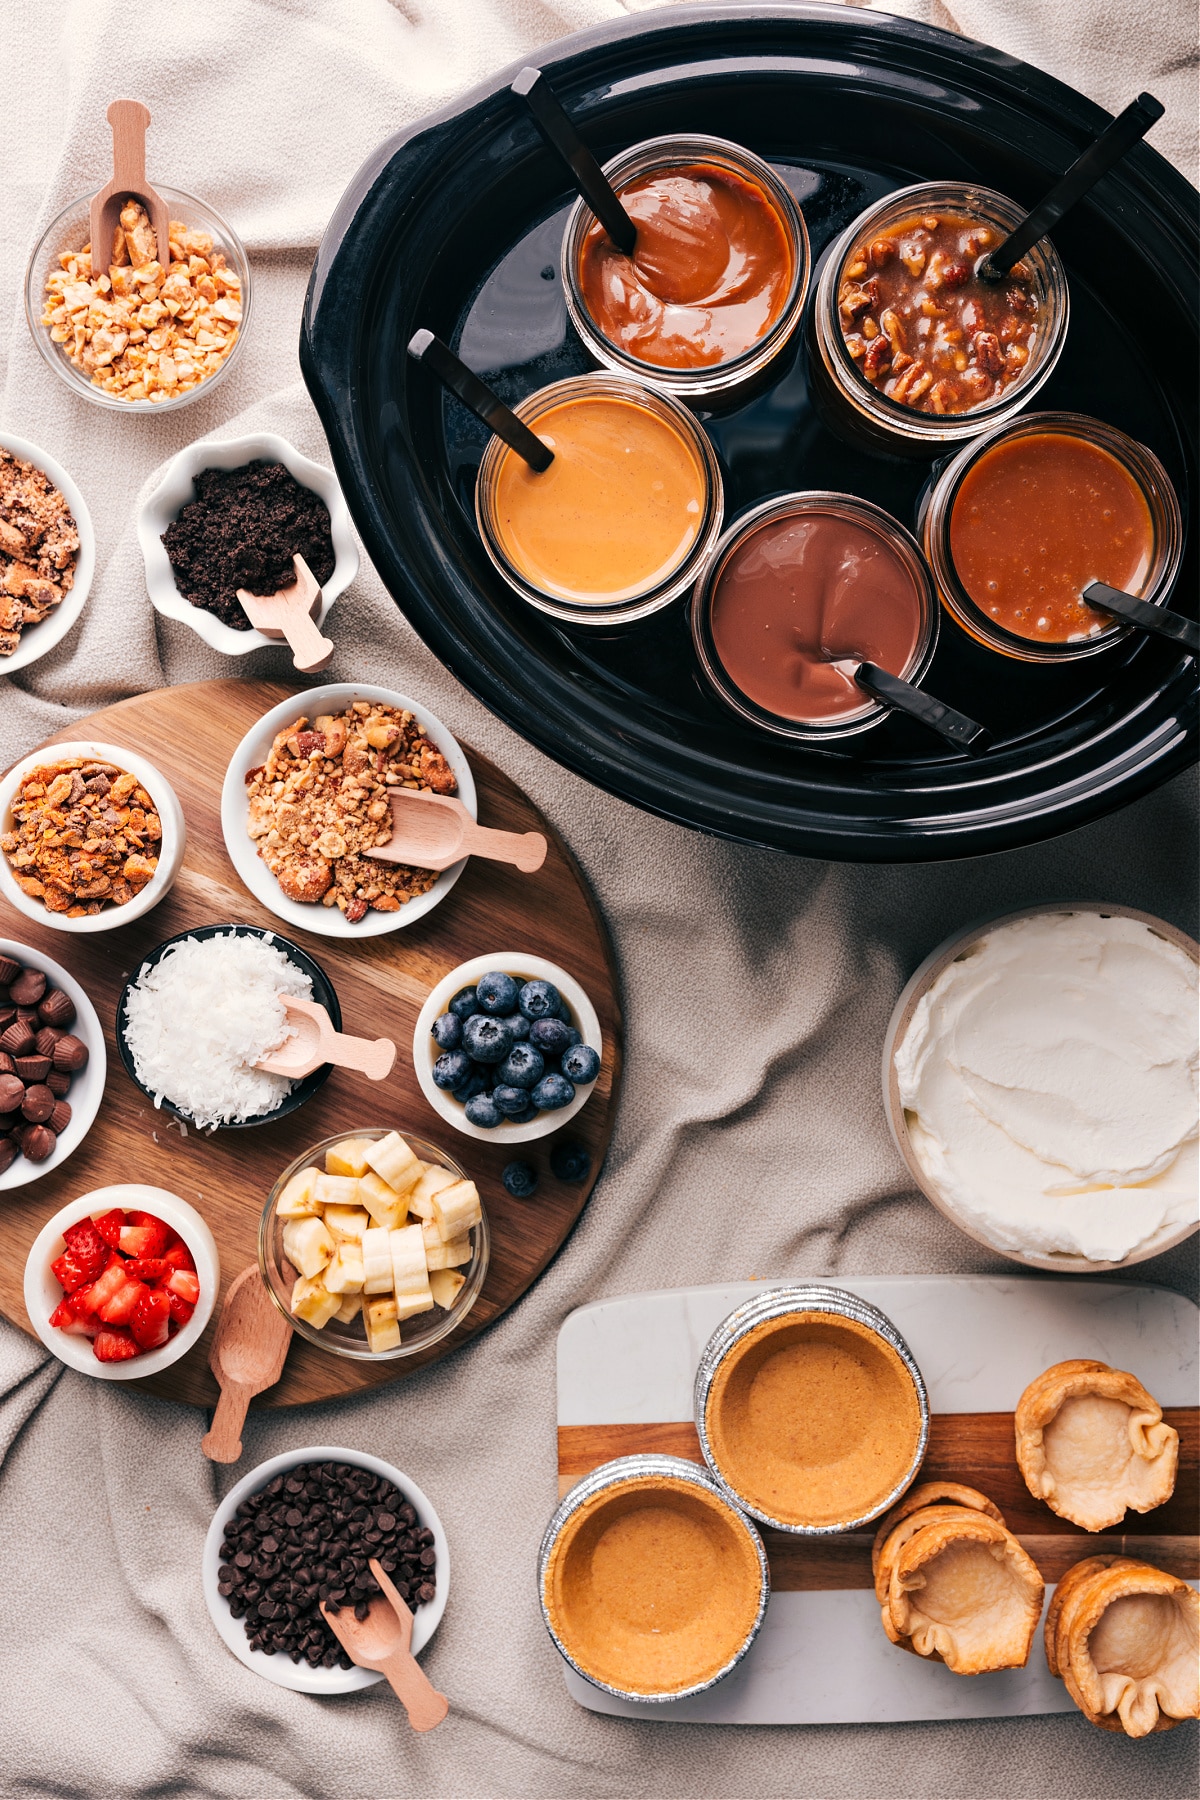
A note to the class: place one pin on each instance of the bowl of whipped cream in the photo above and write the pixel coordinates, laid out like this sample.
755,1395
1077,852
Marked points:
1040,1081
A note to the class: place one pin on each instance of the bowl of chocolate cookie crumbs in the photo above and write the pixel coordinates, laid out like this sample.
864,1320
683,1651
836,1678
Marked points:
47,553
232,514
305,800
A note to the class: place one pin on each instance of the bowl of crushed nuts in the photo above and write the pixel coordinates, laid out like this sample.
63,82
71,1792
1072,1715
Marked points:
47,553
305,800
135,336
91,836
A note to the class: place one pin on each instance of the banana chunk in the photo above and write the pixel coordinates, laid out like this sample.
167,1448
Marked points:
312,1301
410,1276
456,1209
445,1286
434,1179
394,1162
348,1158
299,1199
383,1328
377,1261
384,1204
350,1308
336,1190
346,1221
449,1256
307,1245
345,1272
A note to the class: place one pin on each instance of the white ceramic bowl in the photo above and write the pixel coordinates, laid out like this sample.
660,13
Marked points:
281,1669
922,979
178,486
87,1087
328,921
42,1292
426,1052
36,640
170,849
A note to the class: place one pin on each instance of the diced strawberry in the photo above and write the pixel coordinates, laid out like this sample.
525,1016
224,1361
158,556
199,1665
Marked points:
181,1311
66,1320
151,1318
110,1283
113,1346
178,1255
119,1309
110,1225
70,1273
143,1240
147,1268
87,1247
62,1316
185,1283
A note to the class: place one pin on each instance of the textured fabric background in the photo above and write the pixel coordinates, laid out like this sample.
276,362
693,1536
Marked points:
757,988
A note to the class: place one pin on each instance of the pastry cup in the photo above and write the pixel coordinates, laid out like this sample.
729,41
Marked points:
1125,1639
979,1610
1067,1416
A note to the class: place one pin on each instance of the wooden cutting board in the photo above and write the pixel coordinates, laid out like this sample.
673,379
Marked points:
189,733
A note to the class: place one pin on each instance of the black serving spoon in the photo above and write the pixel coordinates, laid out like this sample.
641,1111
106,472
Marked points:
1125,131
1157,619
955,727
425,348
556,127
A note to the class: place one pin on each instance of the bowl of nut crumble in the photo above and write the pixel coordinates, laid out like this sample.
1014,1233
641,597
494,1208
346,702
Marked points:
305,801
135,335
47,553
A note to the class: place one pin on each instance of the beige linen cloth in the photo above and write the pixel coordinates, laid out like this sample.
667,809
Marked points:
757,989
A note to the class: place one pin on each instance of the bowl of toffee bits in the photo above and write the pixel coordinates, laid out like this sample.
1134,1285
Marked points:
299,1531
232,515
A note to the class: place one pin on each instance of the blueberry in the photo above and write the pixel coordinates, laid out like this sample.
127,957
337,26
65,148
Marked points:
570,1161
474,1084
551,1092
497,993
581,1064
573,1036
524,1116
520,1179
550,1036
463,1003
519,1026
447,1031
486,1040
509,1099
451,1069
482,1110
523,1067
564,1012
539,1000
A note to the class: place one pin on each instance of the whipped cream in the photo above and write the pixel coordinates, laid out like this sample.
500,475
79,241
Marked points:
1049,1079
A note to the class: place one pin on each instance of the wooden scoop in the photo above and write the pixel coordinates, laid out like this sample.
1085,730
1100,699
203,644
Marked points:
129,119
431,831
316,1042
247,1355
289,614
383,1641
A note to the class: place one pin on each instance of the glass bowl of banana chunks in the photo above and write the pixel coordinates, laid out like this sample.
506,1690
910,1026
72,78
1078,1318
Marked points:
374,1244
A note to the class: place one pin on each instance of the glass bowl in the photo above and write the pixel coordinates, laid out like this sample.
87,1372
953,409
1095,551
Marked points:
71,231
423,1329
864,415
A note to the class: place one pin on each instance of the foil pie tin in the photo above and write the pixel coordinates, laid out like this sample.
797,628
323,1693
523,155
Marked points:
779,1303
616,1474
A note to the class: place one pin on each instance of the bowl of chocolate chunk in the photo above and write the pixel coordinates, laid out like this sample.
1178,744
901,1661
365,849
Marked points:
91,836
47,553
233,514
52,1064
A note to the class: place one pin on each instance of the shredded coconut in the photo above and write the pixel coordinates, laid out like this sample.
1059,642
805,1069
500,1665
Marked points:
199,1018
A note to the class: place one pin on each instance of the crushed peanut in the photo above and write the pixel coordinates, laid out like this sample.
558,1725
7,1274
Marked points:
319,803
87,835
38,548
142,332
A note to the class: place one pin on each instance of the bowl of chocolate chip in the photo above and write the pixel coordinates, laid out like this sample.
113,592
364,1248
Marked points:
52,1064
229,515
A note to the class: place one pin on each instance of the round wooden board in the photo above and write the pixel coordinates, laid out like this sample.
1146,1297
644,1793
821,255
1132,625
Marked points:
189,733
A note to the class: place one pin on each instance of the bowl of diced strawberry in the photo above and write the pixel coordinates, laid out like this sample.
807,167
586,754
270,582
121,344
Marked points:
121,1283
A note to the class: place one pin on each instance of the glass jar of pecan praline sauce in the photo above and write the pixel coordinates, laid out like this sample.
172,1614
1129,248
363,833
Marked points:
857,407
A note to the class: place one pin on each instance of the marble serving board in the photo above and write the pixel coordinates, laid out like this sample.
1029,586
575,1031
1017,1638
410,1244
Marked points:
625,1371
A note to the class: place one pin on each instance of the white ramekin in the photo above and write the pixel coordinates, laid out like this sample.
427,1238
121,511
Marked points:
36,640
917,986
170,849
87,1087
426,1052
281,1669
43,1293
328,921
178,486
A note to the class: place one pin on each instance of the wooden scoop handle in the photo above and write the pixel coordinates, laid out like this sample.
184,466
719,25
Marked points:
372,1057
310,651
222,1442
129,120
422,1702
526,850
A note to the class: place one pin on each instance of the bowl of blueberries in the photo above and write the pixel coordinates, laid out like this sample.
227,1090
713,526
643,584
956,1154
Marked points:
507,1047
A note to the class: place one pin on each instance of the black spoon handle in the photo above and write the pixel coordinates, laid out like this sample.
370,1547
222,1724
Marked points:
955,727
556,127
1147,618
1083,173
425,348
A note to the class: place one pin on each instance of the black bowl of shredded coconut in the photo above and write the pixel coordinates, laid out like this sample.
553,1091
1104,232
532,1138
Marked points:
242,531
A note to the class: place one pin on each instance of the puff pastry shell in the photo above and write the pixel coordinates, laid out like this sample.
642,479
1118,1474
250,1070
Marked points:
953,1583
1125,1638
1092,1443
